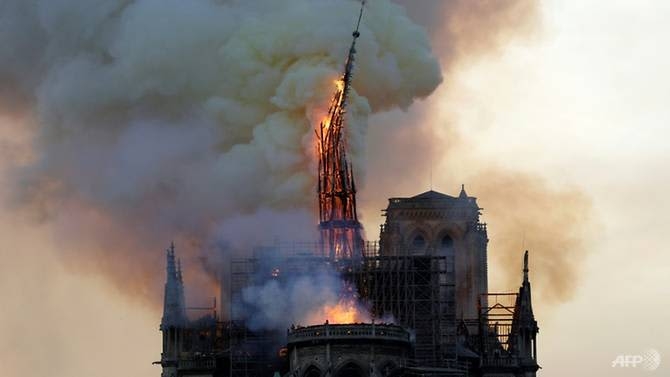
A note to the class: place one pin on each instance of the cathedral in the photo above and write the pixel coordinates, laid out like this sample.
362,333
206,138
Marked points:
424,284
428,271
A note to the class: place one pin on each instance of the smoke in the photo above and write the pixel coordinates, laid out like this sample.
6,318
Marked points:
306,298
466,30
553,224
431,145
153,120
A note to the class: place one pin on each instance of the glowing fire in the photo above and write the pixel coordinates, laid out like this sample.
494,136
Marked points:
335,106
338,219
339,84
345,311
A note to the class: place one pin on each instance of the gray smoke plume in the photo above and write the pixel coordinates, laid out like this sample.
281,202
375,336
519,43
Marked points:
306,298
152,120
555,221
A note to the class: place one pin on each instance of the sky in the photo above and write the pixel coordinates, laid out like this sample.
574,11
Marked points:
583,102
580,102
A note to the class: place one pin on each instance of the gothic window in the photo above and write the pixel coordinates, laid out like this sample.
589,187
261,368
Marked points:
350,370
419,242
447,242
312,371
447,249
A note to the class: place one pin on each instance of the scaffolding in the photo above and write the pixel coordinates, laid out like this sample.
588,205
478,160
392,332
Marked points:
418,293
252,353
496,314
415,291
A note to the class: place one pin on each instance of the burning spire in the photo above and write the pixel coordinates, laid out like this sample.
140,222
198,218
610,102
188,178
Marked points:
340,230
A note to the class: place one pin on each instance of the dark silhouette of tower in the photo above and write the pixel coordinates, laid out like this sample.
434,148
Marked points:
524,325
174,319
174,309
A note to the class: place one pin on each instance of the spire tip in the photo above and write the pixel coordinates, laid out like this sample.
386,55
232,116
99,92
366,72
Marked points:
525,266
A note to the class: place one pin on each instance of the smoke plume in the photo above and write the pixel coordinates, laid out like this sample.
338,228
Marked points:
131,123
551,223
154,120
306,298
431,145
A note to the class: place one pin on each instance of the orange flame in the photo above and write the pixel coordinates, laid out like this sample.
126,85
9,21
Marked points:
345,311
339,83
335,103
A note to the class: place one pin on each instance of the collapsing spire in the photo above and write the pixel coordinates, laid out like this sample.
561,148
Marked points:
340,230
174,308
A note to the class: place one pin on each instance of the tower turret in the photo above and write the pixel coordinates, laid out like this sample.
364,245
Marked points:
463,194
524,326
174,310
174,319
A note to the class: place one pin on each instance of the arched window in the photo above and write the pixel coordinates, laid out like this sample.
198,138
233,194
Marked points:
419,242
350,370
447,242
388,368
447,249
312,371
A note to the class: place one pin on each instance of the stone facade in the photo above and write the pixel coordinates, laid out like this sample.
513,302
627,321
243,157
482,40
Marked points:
353,350
431,259
437,224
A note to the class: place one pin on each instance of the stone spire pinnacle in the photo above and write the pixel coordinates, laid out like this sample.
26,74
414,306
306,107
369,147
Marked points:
463,194
174,310
525,267
524,324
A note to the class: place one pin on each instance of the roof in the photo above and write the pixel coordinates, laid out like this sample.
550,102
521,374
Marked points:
434,200
432,195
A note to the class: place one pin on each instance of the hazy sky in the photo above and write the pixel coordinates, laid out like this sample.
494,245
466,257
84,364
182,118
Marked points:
584,102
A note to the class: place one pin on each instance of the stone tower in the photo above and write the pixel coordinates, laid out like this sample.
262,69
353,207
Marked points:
524,326
174,319
433,223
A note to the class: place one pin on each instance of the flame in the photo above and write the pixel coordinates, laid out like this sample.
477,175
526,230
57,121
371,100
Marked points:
344,312
334,106
347,310
337,195
339,83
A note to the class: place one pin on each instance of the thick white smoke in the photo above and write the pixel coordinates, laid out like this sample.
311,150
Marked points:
308,298
159,119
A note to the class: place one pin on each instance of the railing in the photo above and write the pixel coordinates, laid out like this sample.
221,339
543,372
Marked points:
369,249
307,248
501,361
194,364
348,331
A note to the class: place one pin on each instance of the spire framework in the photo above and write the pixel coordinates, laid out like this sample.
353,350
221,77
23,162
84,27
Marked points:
338,221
